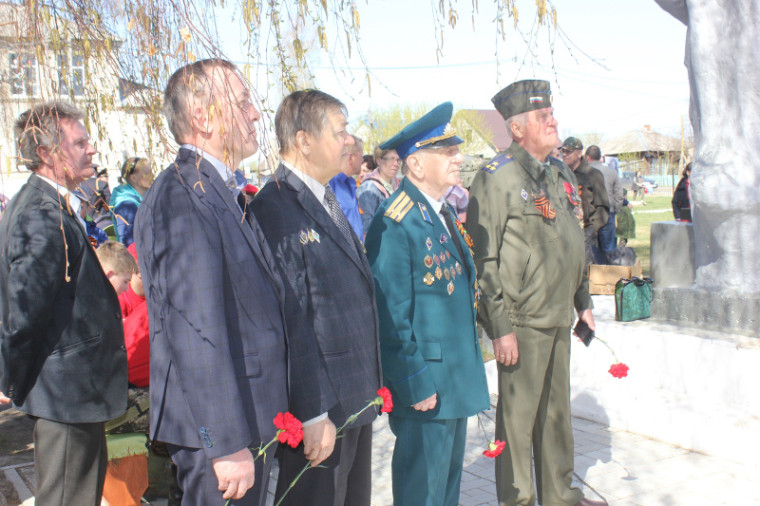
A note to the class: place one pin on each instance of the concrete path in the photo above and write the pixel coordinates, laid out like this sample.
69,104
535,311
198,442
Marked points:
624,468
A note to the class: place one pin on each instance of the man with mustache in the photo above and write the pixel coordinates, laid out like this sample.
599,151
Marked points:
62,349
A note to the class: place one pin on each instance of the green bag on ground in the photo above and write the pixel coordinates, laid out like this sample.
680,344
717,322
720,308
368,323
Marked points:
632,299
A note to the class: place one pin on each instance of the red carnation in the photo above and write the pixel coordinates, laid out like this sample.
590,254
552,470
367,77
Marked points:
495,449
290,430
619,370
385,400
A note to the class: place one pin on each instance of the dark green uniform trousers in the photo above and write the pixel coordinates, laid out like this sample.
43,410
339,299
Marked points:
533,413
427,461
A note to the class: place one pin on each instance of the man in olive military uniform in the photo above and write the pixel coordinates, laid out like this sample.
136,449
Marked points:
524,219
426,292
596,204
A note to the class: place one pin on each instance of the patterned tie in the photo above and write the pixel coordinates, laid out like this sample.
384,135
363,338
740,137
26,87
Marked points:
336,213
452,228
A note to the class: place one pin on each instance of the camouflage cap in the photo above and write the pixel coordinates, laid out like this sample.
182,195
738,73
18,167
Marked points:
572,144
523,96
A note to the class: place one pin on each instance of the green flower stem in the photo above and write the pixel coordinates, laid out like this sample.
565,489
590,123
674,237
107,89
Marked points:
351,419
609,348
262,451
293,483
482,428
259,452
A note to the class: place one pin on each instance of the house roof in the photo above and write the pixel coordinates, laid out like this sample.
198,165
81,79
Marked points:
490,126
643,140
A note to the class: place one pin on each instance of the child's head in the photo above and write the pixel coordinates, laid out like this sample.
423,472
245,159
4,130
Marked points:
136,283
117,263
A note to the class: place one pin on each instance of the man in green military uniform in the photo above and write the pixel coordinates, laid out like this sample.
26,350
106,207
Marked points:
524,216
594,199
426,291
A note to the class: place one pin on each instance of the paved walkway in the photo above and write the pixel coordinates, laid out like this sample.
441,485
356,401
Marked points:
624,468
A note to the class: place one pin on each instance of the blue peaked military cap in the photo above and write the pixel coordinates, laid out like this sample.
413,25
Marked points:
433,130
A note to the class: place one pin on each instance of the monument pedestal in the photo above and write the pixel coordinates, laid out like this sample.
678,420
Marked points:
671,254
692,387
677,300
718,310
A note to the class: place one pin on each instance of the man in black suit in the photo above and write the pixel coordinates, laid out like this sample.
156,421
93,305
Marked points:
323,261
218,351
62,348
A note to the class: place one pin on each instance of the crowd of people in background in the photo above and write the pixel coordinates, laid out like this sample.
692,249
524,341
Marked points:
202,305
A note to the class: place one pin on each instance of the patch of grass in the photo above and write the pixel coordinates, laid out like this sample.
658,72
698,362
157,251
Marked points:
657,208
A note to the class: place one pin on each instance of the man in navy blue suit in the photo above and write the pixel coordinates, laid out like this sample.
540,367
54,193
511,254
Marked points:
218,348
322,260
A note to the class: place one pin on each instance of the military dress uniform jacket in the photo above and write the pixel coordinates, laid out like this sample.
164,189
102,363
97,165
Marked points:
529,247
596,204
426,297
62,344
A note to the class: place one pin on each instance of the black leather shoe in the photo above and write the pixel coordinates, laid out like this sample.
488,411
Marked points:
588,502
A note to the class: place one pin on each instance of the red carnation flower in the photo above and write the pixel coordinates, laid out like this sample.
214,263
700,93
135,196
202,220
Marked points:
619,370
290,430
385,400
495,449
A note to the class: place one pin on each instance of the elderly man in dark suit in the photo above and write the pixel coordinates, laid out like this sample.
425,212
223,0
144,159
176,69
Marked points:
323,261
218,348
62,348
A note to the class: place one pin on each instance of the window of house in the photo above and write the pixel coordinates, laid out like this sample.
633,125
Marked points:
23,74
70,72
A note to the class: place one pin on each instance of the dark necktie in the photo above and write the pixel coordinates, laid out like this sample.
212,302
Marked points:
452,232
336,213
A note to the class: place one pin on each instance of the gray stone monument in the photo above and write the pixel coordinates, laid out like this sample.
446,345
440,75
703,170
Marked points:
722,42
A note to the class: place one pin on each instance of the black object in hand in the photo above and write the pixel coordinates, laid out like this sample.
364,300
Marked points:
584,332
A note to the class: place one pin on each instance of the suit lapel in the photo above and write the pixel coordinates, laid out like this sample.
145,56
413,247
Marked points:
212,187
316,211
60,200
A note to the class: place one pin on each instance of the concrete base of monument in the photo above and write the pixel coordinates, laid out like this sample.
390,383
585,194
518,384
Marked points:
691,387
697,307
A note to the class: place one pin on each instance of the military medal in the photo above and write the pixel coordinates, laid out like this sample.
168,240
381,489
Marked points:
459,268
444,238
446,274
542,204
572,194
303,237
438,273
428,279
428,261
450,287
315,235
429,244
437,260
453,272
524,195
448,254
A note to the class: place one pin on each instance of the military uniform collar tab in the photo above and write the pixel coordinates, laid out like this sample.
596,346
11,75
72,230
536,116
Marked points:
531,165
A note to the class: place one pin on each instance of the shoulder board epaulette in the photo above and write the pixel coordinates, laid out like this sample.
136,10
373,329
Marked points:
497,163
399,207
